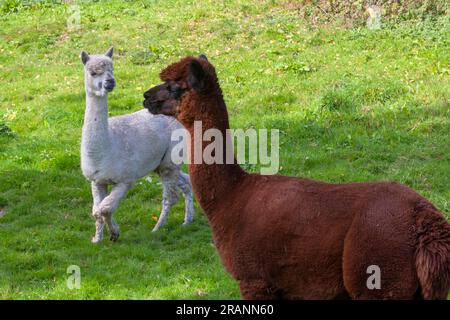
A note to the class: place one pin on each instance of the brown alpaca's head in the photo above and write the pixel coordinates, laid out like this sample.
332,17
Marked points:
186,83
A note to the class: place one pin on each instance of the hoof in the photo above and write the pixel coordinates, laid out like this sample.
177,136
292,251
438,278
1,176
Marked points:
96,240
114,237
155,229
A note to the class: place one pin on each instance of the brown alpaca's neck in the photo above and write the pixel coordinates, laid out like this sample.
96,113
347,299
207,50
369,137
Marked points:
216,182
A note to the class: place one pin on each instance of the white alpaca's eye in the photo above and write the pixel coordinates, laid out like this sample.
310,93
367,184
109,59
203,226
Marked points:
93,74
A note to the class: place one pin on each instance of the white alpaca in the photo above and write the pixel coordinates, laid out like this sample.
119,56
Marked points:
119,150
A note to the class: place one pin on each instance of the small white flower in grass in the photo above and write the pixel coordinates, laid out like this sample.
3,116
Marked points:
200,293
10,114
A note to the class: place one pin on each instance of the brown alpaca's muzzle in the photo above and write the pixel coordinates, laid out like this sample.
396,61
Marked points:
163,99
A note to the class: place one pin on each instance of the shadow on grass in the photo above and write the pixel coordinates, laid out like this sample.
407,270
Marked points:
49,227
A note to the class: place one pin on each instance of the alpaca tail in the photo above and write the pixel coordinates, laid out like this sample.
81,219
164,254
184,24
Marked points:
432,252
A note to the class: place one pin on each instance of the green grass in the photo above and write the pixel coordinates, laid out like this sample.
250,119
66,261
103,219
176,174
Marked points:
350,104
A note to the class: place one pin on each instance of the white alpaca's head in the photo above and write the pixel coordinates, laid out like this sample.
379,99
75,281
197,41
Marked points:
98,73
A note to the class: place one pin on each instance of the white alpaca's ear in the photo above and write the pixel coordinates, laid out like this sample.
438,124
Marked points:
109,53
84,57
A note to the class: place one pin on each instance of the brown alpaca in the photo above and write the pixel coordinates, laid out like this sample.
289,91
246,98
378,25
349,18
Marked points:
294,238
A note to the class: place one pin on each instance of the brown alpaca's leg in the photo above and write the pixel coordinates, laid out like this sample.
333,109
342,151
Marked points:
257,290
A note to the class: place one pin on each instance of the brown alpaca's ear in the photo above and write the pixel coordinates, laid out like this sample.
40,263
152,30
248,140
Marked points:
196,77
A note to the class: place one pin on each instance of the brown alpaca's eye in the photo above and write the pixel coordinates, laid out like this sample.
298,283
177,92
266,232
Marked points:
174,90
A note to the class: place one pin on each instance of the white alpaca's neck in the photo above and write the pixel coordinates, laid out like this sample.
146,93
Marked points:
95,143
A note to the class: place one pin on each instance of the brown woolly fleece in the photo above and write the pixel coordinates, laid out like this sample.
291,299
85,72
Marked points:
293,238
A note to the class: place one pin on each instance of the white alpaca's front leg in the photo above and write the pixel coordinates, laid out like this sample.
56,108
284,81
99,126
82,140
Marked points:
184,183
110,204
99,192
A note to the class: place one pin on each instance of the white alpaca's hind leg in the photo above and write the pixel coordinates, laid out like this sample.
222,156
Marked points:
99,192
184,183
169,179
110,204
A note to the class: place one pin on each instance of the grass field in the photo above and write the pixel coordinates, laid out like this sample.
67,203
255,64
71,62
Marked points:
351,104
